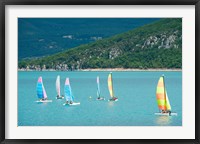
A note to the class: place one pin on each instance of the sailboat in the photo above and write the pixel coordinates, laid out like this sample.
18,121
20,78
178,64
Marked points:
58,88
41,93
68,94
110,88
162,98
98,90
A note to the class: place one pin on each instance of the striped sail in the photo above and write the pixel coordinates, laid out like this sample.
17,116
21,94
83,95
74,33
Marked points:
98,87
58,85
110,85
41,93
68,91
161,95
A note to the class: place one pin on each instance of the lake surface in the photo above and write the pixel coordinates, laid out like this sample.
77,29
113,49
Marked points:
136,106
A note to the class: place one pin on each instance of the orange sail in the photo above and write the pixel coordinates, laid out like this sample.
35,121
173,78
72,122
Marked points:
161,95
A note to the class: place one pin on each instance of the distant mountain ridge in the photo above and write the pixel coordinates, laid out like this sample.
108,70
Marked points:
45,36
156,45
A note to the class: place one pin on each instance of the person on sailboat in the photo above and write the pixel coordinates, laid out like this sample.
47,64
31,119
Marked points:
69,102
59,96
166,111
43,99
99,98
114,98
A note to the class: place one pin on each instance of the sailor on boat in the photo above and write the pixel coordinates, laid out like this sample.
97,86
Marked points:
99,98
59,97
43,99
69,102
166,111
113,99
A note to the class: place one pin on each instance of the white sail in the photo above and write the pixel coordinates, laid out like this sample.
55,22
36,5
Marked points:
58,85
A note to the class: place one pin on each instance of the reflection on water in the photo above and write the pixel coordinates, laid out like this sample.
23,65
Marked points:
110,103
163,120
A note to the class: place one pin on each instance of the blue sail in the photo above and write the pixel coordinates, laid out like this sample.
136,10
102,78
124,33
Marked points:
67,91
39,88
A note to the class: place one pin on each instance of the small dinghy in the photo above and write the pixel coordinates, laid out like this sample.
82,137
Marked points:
68,94
41,93
162,99
110,88
98,90
58,88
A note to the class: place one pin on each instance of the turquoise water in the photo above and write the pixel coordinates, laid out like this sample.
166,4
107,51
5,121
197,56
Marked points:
135,90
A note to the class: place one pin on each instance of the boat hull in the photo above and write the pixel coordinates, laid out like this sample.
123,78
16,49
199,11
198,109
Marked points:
78,103
62,97
166,114
113,100
43,101
100,99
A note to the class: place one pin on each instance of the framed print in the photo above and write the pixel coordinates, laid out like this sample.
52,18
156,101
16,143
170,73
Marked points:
100,72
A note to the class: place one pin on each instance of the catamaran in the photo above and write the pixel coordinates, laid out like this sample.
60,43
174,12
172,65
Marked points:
110,88
162,98
98,90
58,88
68,94
41,93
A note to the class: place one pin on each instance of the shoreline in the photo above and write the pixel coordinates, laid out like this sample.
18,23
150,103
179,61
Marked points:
122,69
111,69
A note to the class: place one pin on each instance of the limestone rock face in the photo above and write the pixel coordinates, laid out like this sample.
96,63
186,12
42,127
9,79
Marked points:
162,41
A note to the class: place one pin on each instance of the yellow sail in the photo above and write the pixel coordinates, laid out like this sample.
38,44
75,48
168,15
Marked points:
110,85
161,95
168,106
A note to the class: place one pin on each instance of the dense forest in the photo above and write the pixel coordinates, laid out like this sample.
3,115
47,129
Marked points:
155,45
